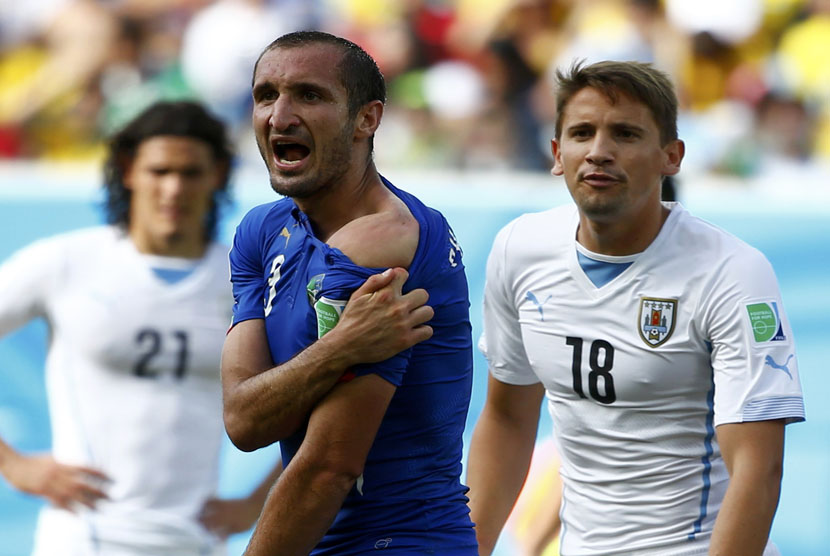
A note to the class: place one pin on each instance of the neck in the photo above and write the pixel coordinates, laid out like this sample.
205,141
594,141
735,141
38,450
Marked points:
169,246
336,206
619,237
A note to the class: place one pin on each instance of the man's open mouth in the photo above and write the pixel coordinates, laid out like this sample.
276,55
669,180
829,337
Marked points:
290,154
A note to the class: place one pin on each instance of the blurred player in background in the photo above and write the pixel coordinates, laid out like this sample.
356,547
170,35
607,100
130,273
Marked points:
533,525
137,312
660,342
370,415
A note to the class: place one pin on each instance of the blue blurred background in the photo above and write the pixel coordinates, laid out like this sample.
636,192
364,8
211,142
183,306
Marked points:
791,233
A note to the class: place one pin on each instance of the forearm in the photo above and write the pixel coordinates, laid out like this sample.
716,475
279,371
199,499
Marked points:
743,523
309,493
271,404
545,526
299,509
7,456
496,470
260,493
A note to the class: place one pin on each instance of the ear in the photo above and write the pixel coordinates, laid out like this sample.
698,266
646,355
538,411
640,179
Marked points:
223,170
673,152
556,149
125,164
368,119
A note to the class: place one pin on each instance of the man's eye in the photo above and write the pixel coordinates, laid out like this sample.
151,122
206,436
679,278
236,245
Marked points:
310,96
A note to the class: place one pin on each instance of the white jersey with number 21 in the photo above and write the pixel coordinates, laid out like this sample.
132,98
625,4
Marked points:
132,377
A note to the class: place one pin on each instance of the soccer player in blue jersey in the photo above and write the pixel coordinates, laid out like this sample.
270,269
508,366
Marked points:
366,387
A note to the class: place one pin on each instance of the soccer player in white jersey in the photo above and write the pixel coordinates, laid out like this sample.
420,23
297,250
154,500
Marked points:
137,312
659,342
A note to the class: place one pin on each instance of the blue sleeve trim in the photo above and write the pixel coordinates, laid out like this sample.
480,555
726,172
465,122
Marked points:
790,408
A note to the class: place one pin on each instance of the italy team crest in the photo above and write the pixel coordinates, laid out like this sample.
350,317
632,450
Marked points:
656,320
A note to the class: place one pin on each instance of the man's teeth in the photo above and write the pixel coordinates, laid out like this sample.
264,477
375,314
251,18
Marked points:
289,162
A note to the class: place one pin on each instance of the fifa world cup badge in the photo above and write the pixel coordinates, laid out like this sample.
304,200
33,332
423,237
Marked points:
328,314
328,310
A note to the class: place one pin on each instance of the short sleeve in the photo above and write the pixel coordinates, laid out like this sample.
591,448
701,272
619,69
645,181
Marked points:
27,280
247,272
753,351
501,339
328,293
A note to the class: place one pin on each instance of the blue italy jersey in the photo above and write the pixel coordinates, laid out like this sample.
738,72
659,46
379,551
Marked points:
409,498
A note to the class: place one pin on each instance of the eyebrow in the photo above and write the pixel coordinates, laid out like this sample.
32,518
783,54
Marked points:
616,126
293,87
628,126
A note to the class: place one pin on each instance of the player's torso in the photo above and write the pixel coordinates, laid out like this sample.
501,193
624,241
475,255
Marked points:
629,386
133,377
292,256
297,269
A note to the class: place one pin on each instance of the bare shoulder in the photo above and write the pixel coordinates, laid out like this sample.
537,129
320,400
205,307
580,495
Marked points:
387,238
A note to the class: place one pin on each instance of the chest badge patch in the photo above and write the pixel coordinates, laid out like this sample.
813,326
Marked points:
656,320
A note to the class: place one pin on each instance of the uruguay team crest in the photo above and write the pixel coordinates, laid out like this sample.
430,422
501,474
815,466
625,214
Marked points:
656,320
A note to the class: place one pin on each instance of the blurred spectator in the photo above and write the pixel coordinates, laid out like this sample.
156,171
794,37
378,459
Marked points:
47,105
781,136
468,85
219,71
801,60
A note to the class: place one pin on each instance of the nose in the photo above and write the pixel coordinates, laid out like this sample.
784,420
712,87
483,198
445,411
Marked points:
283,115
173,185
602,149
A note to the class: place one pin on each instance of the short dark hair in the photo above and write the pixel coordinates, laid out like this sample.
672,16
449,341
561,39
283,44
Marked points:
359,73
180,118
638,80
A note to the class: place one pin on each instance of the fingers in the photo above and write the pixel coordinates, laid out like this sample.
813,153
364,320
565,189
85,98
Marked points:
379,281
73,497
399,277
74,486
420,334
416,298
90,496
422,314
210,517
94,474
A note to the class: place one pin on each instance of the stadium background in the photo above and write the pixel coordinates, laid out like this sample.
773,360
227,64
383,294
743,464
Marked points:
466,129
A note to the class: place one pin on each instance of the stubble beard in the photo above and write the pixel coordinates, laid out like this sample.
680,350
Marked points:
328,174
600,205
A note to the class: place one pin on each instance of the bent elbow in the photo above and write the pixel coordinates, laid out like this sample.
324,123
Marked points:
339,468
340,476
240,433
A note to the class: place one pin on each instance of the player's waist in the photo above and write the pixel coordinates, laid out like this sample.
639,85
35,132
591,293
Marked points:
626,519
442,526
406,514
153,531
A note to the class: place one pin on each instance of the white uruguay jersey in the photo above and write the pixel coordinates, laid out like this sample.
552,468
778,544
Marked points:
639,372
132,378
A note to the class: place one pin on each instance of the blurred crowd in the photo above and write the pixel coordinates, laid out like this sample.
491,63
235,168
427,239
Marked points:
469,80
